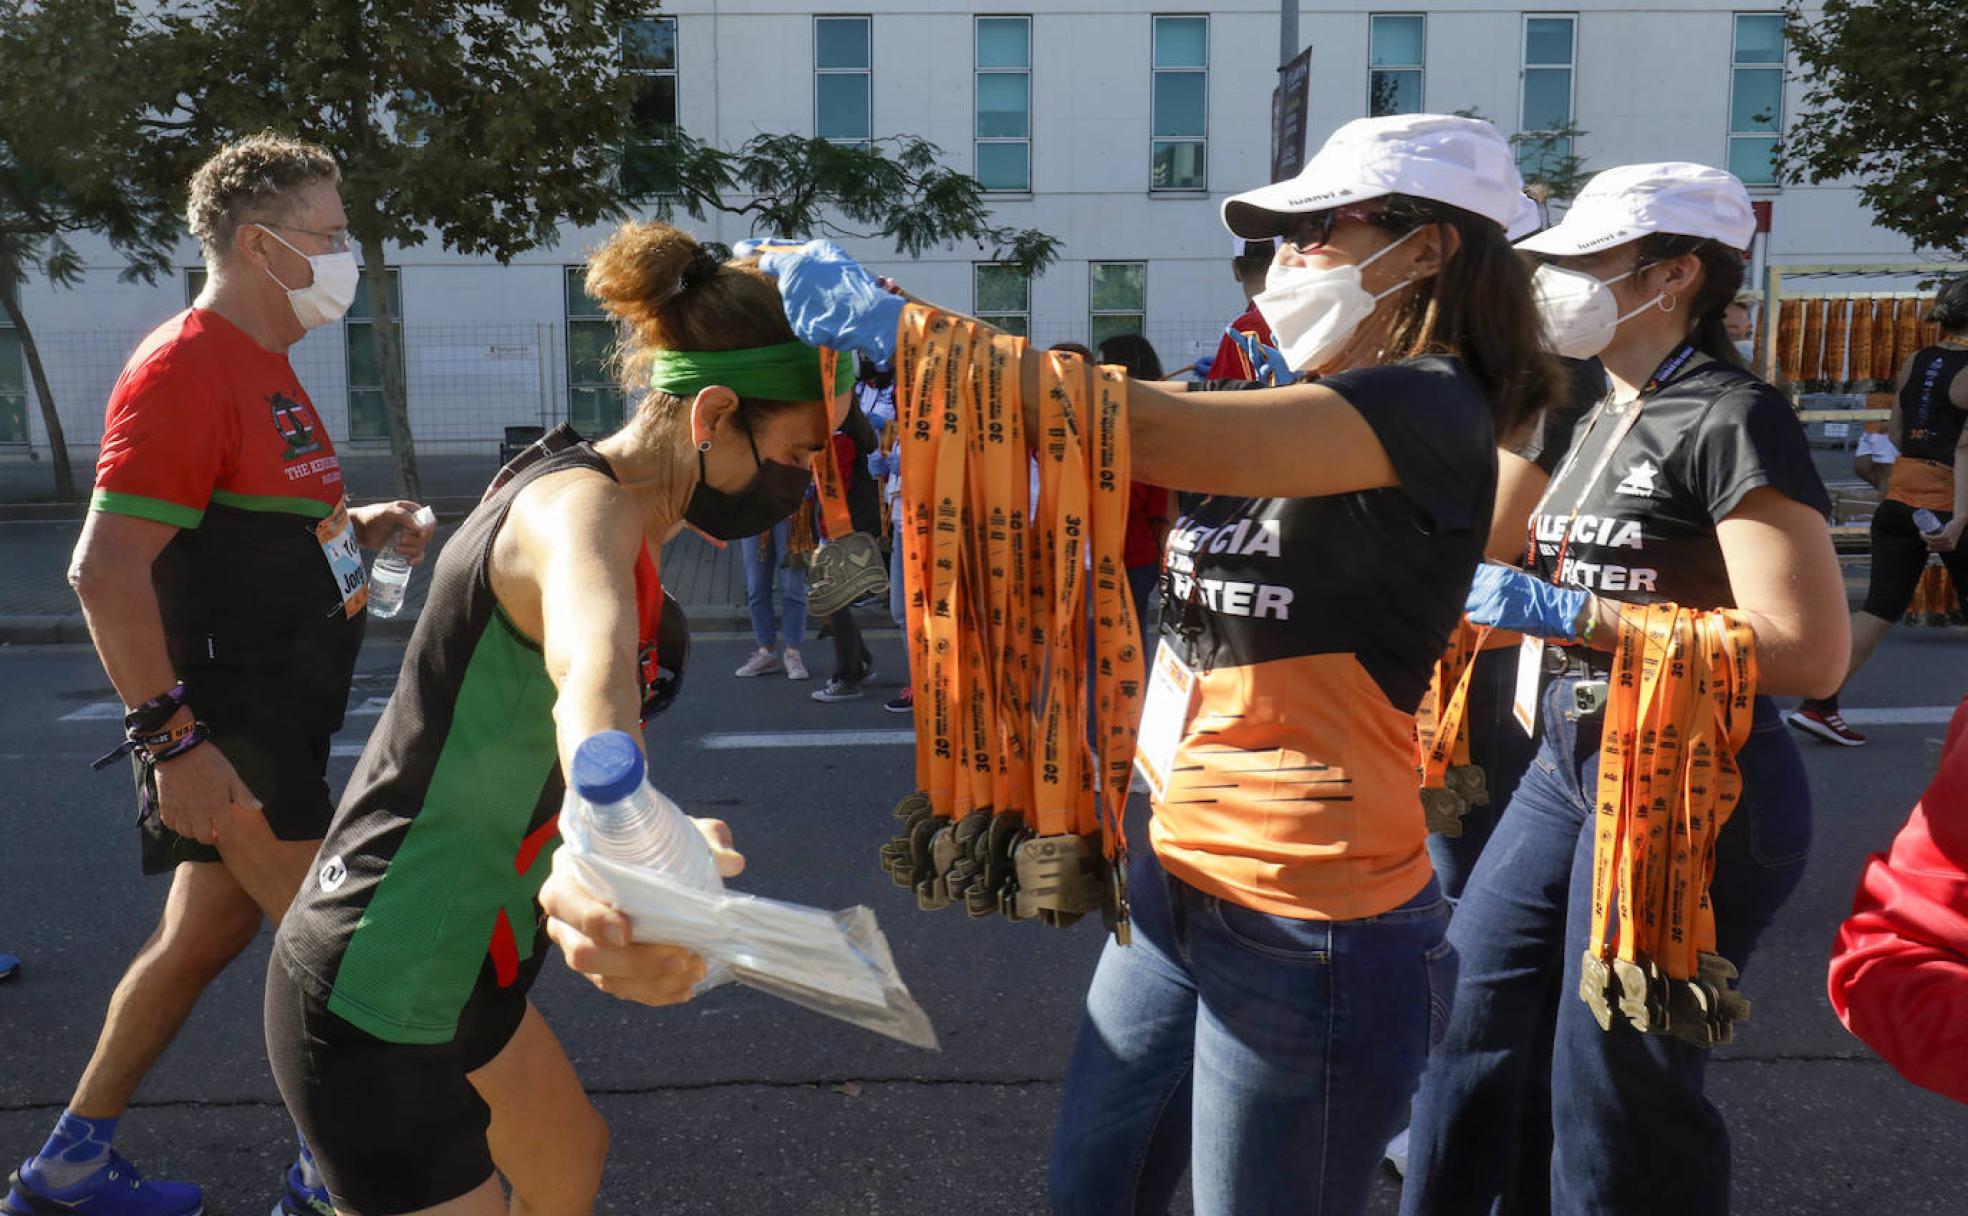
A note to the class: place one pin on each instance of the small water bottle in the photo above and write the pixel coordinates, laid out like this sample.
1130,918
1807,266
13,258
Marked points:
630,821
389,574
1926,521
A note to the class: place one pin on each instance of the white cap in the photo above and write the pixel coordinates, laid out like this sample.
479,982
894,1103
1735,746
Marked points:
1237,244
1464,162
1631,201
1525,222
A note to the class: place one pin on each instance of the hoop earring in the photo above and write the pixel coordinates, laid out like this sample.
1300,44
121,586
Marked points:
1669,303
703,445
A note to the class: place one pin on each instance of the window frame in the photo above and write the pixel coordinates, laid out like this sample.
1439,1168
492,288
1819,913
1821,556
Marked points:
1154,73
1737,66
1526,67
977,73
675,74
571,284
995,317
867,21
1420,69
350,323
1094,314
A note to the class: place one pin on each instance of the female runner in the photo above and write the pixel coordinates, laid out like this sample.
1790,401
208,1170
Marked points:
396,1017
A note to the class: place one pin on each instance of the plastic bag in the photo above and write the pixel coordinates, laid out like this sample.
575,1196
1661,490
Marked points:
836,963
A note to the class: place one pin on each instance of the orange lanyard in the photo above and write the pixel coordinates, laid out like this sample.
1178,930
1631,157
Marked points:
1679,706
832,491
1118,679
1440,739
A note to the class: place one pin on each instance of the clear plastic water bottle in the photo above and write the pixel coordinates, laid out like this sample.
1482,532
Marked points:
630,821
1928,522
389,574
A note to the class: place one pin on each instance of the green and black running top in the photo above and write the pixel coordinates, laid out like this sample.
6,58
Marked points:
1931,422
422,901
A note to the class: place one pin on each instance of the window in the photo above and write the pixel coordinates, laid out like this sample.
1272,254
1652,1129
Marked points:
1394,55
1181,103
1756,97
367,418
1547,101
1004,103
594,398
13,379
649,57
1117,300
194,283
1003,297
842,79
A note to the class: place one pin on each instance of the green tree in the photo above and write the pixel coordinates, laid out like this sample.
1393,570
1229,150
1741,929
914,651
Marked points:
492,124
1886,101
81,150
1552,167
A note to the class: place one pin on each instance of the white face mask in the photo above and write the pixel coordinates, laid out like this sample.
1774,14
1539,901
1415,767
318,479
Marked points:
333,290
1579,312
1313,310
1746,347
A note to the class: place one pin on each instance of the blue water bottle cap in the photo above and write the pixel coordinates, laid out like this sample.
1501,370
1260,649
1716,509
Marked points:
607,767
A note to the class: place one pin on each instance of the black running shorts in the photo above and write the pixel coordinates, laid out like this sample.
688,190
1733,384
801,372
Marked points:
394,1127
284,764
1899,554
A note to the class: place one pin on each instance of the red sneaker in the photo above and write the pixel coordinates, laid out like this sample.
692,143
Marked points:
1825,724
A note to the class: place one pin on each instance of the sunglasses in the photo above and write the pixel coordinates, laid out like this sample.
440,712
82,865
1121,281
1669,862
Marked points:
1313,229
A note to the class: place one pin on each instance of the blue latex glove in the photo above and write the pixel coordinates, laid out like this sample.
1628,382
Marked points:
1513,599
880,465
830,298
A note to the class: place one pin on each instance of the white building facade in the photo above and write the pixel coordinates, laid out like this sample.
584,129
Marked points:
1114,125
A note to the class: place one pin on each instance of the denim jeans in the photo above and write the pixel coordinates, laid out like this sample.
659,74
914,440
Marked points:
764,558
1270,1056
1502,749
1631,1130
898,604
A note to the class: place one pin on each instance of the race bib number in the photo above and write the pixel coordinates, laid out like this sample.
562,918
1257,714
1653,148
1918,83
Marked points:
1171,697
1530,664
336,535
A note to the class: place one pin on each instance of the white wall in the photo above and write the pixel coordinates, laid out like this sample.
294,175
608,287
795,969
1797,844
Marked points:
1652,82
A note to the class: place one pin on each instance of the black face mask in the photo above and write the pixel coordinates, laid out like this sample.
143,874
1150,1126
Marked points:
774,492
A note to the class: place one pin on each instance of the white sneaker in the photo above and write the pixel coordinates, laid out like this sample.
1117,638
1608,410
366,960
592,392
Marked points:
761,662
795,666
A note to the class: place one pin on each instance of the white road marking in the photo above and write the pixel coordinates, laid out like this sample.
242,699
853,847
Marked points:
1905,715
808,738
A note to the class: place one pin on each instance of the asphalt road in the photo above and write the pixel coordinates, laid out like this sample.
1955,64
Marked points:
739,1104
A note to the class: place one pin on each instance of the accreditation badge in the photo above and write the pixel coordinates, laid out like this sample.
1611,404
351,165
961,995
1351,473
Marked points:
336,536
1171,700
1530,666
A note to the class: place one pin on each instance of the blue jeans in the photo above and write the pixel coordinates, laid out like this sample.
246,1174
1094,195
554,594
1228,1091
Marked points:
898,606
1270,1056
764,558
1631,1130
1502,749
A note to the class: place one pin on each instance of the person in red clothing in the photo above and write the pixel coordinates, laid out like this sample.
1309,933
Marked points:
1899,967
1149,506
1248,351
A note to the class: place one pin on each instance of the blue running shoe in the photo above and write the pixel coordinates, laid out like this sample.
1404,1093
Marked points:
301,1199
8,965
117,1189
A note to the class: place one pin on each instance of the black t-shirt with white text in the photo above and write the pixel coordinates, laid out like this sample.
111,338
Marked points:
1645,530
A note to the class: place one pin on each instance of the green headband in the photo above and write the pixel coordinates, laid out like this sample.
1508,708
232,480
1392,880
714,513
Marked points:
789,371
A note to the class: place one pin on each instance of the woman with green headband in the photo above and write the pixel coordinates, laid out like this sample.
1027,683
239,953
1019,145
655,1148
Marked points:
397,1018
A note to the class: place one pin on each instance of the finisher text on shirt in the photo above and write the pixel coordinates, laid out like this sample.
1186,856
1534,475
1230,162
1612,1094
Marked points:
1245,538
1598,532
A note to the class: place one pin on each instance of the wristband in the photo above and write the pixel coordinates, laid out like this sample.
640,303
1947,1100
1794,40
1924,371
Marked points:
150,717
1589,616
161,744
198,734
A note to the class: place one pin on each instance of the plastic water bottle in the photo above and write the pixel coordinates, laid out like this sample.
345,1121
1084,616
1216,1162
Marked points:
1928,522
630,821
389,574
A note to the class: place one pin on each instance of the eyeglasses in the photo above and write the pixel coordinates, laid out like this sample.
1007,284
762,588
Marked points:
1313,229
338,240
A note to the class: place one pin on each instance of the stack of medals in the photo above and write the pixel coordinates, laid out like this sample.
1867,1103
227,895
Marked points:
1450,784
1678,709
1020,799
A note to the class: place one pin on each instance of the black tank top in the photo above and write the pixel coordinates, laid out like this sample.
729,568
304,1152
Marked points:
1931,422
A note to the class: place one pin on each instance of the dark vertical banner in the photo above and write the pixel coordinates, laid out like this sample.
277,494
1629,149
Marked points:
1288,117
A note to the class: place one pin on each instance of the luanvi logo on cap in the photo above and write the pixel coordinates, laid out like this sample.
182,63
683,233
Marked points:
1611,238
1305,200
